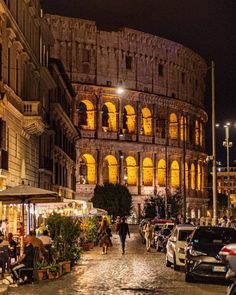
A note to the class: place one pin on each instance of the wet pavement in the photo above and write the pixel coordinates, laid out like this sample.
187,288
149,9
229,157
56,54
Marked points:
136,272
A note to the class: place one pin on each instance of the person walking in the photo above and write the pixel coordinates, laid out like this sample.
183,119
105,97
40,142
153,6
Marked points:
148,230
123,232
104,235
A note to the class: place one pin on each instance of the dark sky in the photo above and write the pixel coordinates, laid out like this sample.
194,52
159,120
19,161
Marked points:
206,26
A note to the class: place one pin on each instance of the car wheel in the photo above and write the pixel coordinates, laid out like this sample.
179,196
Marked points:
168,263
176,267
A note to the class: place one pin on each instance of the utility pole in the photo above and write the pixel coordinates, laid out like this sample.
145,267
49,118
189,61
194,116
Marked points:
214,188
184,160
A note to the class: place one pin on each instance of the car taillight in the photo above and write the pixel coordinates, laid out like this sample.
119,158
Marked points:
227,251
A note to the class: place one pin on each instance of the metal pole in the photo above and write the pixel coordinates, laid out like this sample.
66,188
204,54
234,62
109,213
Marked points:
228,178
184,160
214,188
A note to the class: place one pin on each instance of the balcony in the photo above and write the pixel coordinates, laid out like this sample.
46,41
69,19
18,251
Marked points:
34,123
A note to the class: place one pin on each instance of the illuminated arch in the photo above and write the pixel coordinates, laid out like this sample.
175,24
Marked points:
129,119
173,126
147,172
87,169
131,170
186,175
86,115
110,170
109,120
199,176
197,132
146,122
193,183
183,128
161,173
174,174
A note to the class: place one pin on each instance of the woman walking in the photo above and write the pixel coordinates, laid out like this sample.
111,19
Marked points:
148,229
104,235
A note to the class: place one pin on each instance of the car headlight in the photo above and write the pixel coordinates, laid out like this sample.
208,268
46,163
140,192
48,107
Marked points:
196,253
181,250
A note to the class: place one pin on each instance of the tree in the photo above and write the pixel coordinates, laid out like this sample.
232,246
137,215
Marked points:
156,204
114,198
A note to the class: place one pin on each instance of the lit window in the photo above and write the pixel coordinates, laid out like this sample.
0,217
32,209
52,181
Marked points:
146,122
173,126
131,171
147,172
161,173
174,172
110,170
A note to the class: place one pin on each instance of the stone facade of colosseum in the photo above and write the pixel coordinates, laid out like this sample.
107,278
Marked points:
146,136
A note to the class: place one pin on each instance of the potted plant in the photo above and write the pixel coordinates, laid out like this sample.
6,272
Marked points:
53,271
41,269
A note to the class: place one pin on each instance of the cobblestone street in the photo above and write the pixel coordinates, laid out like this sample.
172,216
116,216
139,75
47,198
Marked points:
136,272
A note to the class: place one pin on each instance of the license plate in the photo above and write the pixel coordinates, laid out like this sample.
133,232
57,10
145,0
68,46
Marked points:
219,268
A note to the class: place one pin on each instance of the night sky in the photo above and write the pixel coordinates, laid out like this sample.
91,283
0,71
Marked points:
206,26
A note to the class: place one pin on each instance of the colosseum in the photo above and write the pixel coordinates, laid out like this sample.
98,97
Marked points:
148,134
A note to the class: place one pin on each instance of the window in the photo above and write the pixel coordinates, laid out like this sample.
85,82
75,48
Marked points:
2,134
0,61
161,70
86,55
128,62
9,66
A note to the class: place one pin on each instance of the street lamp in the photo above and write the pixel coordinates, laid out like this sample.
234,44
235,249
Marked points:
228,144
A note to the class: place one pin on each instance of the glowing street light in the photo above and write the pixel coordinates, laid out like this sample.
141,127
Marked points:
120,90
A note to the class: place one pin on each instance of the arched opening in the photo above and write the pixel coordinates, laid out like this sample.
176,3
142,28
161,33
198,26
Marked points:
147,172
183,128
87,169
197,132
174,174
110,170
146,123
186,175
129,119
86,115
173,126
161,127
131,170
193,186
161,173
109,121
199,176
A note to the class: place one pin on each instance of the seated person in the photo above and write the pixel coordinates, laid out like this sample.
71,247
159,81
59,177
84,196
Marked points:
37,243
13,245
4,254
25,261
45,238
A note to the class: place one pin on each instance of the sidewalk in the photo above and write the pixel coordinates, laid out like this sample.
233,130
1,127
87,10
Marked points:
3,289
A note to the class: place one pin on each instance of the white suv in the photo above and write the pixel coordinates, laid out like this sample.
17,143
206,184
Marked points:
175,249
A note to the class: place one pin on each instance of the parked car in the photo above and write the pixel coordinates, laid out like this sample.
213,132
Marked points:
175,249
202,253
228,255
161,239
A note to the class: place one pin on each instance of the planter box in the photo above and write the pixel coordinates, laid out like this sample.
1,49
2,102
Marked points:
42,274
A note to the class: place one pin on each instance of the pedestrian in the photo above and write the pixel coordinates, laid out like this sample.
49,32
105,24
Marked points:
148,230
117,224
104,235
224,221
230,222
123,232
13,246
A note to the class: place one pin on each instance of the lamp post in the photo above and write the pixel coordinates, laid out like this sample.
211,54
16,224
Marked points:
214,189
184,160
228,144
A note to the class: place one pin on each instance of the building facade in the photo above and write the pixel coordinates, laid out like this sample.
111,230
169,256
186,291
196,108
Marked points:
147,136
32,106
226,182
